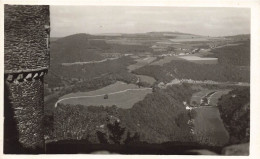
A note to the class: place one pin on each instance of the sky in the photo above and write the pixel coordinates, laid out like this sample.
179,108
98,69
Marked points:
68,20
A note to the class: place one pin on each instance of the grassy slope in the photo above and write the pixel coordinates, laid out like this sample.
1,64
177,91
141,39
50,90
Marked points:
116,69
160,117
84,47
78,47
121,100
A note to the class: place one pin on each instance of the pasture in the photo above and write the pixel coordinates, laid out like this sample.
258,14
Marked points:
125,41
118,86
147,79
164,60
120,94
189,38
213,99
141,62
200,60
196,97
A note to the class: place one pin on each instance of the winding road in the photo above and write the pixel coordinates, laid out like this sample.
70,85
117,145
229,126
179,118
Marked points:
123,91
89,62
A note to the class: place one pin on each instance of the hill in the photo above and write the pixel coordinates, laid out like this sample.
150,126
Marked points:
235,111
233,66
169,33
187,70
238,55
86,47
160,117
238,37
54,39
77,48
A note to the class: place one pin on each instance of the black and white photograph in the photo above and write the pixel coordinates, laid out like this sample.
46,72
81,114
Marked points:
129,80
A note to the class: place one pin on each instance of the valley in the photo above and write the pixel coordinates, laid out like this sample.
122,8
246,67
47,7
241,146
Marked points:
163,86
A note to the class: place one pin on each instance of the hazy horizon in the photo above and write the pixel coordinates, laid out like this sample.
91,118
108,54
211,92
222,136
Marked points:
111,34
69,20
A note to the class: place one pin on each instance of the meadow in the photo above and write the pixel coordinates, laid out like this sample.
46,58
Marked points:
140,62
165,60
217,95
199,60
147,79
120,94
196,97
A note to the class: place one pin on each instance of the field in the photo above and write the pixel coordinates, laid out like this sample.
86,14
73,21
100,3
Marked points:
118,86
213,99
130,41
157,114
123,41
189,39
120,94
147,79
199,60
141,62
165,60
88,62
208,126
196,97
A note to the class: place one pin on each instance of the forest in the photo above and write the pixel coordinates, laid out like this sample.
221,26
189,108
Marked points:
238,55
160,117
116,69
182,69
233,66
235,112
85,47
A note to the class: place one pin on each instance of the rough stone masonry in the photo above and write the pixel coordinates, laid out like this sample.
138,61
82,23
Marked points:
26,60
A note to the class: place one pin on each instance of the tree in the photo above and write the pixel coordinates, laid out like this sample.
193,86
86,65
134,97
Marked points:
116,132
102,137
194,103
132,139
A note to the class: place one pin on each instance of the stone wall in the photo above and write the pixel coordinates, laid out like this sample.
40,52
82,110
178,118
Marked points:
27,104
26,60
26,38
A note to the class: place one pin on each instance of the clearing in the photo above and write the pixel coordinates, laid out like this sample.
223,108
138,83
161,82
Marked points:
189,38
213,99
147,79
89,62
200,60
120,94
141,62
165,60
